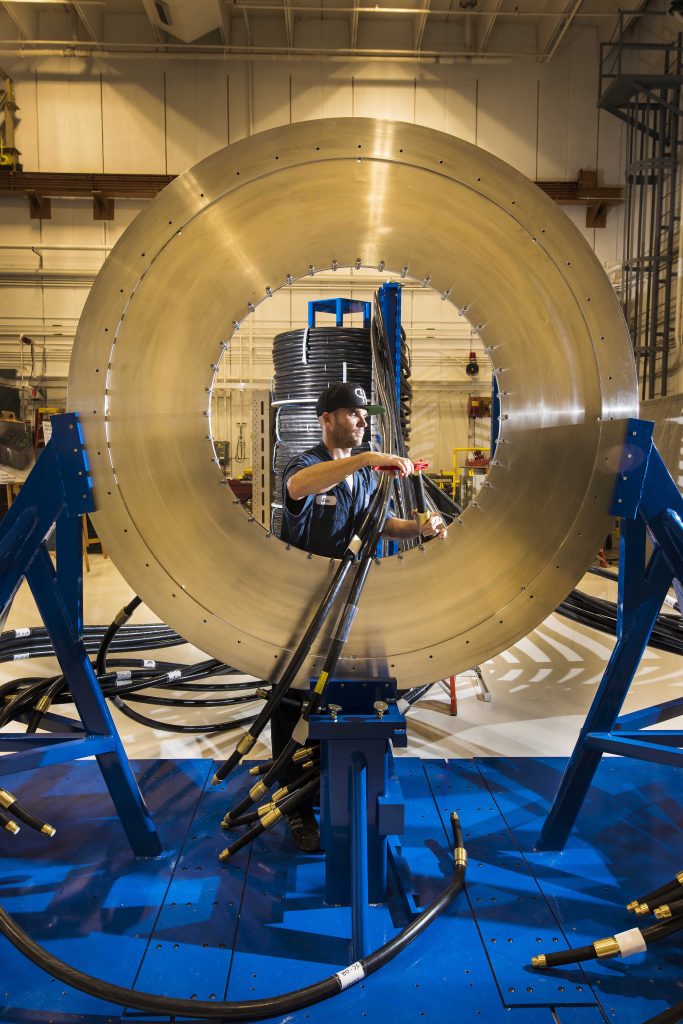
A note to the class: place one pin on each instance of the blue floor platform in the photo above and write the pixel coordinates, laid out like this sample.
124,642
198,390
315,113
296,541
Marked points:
183,924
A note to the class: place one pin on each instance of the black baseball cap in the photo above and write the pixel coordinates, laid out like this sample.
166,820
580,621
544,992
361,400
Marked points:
345,396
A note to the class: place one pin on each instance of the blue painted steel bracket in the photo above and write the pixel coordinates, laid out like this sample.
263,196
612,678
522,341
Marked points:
57,492
650,504
355,739
340,308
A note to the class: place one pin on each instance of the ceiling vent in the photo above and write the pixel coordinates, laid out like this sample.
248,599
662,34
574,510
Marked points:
185,19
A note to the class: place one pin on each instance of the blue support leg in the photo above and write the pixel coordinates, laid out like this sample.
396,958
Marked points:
92,707
648,500
358,848
58,492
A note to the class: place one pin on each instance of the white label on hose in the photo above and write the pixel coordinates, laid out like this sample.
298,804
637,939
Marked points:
122,677
149,663
174,674
22,632
355,544
631,942
300,732
350,975
20,657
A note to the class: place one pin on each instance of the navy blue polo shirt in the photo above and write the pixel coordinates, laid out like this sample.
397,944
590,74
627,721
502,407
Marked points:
324,523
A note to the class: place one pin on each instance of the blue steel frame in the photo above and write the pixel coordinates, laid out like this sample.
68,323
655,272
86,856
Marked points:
389,296
361,803
648,502
340,308
58,491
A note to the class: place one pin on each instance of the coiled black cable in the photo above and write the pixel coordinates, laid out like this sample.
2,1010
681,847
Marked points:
305,362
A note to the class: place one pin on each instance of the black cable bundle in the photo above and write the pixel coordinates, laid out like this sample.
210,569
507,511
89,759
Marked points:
306,362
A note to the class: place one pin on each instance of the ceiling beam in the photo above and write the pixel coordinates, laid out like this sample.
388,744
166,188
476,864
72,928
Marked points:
289,24
92,21
488,27
24,18
420,24
557,35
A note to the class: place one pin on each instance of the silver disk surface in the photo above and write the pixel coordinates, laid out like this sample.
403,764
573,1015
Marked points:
265,211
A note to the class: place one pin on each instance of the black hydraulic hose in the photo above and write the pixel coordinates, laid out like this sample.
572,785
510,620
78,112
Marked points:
336,646
657,896
608,947
119,620
181,702
277,797
672,1016
152,723
45,701
8,823
271,818
245,1010
295,663
247,742
11,806
442,499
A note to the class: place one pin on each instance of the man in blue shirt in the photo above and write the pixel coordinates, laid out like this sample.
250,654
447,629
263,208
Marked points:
326,489
325,493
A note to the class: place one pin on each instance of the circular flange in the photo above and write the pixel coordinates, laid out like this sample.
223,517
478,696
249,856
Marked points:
274,208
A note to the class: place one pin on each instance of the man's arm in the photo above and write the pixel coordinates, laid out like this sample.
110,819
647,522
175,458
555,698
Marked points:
323,476
408,529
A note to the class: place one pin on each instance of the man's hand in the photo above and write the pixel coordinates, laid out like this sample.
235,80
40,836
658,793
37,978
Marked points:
433,527
396,465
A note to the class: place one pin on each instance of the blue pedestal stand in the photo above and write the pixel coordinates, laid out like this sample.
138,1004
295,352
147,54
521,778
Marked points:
648,502
57,492
361,803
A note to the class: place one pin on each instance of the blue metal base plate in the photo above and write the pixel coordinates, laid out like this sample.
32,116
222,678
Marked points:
183,924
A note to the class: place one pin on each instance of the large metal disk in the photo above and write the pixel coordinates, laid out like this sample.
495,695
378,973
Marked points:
261,212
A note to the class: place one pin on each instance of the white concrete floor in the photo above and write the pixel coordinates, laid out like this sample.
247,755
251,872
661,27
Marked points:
540,689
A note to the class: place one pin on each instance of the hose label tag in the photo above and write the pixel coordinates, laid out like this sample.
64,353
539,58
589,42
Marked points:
122,677
631,942
20,657
22,632
355,544
149,663
174,674
300,732
350,975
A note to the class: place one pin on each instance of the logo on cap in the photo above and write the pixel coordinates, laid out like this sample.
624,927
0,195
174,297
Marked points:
360,393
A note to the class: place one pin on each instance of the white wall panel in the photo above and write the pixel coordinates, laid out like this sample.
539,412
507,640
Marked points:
307,92
386,92
582,130
337,91
271,95
461,99
133,118
506,116
240,114
554,83
196,113
69,117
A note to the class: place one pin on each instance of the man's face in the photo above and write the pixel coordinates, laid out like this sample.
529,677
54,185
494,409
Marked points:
345,427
